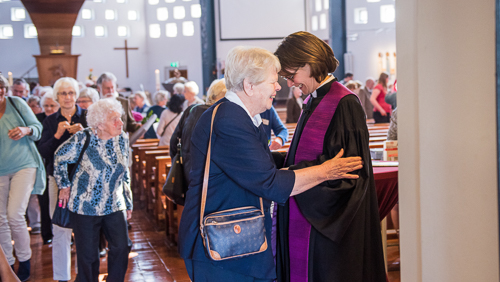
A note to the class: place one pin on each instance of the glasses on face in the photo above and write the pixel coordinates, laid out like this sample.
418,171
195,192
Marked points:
66,94
83,101
290,77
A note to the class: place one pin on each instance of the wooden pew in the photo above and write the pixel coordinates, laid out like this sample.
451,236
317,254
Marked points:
155,202
135,180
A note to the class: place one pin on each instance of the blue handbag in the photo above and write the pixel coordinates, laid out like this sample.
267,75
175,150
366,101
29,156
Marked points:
232,233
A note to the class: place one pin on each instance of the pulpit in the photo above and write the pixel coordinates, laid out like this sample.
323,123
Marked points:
52,67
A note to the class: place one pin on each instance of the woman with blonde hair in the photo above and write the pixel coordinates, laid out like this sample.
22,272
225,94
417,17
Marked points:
57,128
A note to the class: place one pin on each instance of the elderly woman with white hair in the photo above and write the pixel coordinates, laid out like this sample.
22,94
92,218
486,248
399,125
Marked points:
142,103
87,97
57,128
242,172
191,91
178,88
99,196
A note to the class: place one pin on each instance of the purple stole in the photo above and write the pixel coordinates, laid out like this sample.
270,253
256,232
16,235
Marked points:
310,147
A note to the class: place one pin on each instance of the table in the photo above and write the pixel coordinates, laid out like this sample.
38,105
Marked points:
386,183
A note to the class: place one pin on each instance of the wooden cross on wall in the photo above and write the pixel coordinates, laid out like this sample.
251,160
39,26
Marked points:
126,48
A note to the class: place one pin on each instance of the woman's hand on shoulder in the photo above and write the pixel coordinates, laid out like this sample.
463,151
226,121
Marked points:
339,168
61,127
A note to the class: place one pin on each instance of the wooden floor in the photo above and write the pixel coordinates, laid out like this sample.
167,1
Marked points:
156,260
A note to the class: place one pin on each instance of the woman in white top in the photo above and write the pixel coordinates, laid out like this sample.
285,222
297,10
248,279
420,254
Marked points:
169,119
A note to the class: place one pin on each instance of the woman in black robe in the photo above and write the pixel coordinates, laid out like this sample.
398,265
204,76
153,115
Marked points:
339,218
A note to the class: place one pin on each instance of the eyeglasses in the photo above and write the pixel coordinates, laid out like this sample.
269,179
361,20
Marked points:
65,94
290,77
83,101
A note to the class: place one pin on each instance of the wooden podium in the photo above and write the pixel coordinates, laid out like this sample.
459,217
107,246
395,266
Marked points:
52,67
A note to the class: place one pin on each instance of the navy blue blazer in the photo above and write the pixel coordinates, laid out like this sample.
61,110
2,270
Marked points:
241,170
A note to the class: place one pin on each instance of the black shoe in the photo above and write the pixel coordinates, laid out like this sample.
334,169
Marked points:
129,226
24,270
46,242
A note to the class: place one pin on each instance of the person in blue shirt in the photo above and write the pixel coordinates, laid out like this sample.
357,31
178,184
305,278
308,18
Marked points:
271,120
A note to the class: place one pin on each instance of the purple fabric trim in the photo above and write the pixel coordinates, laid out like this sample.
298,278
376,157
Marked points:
309,148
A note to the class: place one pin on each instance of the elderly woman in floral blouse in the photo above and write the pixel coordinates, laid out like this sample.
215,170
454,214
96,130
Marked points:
99,197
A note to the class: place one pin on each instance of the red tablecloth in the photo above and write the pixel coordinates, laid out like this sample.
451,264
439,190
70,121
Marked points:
386,182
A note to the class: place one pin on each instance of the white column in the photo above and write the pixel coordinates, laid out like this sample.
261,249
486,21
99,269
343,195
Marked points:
447,140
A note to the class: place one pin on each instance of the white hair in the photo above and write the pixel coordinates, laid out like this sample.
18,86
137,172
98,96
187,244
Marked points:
192,86
161,95
90,93
179,88
44,90
97,113
64,82
48,95
144,97
107,76
216,91
251,63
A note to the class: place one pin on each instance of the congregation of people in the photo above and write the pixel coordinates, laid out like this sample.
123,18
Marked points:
68,146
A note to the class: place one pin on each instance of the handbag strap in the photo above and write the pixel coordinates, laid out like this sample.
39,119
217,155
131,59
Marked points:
17,110
207,172
85,146
165,128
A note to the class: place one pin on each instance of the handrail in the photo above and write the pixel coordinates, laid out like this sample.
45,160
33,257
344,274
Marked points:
28,71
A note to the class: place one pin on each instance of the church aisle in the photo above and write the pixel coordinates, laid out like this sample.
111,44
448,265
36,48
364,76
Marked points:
156,260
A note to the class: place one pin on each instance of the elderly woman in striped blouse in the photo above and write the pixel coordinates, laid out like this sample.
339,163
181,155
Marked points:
99,196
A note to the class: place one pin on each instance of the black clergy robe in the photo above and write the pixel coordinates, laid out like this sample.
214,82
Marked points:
345,241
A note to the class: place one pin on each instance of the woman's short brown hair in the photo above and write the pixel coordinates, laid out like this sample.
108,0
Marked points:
301,48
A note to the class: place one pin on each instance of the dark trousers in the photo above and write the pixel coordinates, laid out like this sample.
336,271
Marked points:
87,230
200,271
46,223
379,118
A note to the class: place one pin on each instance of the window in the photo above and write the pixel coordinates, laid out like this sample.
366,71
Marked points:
17,14
162,14
4,1
133,15
77,31
314,23
188,28
179,12
317,6
6,31
110,15
322,21
123,31
186,0
171,29
169,1
360,16
30,31
196,11
154,31
372,1
121,1
153,2
326,4
387,13
99,1
87,14
100,31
